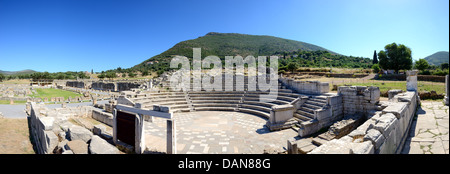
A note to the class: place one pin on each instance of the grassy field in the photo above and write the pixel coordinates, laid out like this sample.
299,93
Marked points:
7,102
51,92
384,85
388,85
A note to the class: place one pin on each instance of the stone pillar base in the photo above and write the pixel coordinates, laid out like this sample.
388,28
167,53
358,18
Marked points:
281,117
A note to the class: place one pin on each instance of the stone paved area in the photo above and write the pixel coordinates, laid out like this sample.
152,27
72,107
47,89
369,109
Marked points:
429,133
210,132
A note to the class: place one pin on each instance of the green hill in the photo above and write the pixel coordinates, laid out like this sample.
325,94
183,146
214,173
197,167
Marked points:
27,71
438,58
228,44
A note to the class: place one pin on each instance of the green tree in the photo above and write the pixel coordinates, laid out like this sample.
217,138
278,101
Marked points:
40,75
144,73
2,77
60,76
421,64
376,68
395,57
111,75
131,74
102,76
292,66
82,75
159,72
375,60
444,66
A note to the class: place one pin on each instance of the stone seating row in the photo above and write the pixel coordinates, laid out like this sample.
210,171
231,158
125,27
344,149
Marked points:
264,115
243,101
175,100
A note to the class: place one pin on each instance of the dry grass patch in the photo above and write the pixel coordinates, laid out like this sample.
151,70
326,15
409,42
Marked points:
14,136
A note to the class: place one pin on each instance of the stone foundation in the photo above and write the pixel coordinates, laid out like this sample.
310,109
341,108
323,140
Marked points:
383,133
359,99
281,117
104,117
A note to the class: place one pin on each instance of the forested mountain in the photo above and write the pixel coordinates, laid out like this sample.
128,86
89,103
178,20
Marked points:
232,44
438,58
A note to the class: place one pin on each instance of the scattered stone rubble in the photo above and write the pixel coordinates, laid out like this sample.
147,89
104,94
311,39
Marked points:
15,90
54,133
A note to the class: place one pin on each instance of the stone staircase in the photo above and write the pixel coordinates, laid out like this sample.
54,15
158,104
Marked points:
306,110
188,101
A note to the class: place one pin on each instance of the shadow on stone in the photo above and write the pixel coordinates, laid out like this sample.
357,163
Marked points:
263,130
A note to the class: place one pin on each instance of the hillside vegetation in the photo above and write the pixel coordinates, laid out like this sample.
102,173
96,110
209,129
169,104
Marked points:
232,44
27,71
438,58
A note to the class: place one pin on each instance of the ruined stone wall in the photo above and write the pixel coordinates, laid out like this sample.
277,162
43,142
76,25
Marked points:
359,99
115,86
54,134
15,92
125,86
49,127
41,130
104,86
75,84
383,133
336,106
306,87
103,117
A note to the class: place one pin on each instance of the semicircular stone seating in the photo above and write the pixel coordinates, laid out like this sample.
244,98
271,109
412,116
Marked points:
176,101
239,101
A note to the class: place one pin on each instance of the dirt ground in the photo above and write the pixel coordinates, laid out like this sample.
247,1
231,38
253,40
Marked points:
14,136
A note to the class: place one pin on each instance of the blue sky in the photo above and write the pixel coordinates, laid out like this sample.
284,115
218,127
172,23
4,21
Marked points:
80,35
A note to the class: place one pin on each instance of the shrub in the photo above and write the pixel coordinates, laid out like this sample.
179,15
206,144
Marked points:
376,68
426,72
131,74
439,72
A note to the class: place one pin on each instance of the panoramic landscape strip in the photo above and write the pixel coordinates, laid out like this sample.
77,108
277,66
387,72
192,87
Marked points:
304,78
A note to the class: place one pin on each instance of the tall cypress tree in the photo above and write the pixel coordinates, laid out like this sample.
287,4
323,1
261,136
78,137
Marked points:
375,60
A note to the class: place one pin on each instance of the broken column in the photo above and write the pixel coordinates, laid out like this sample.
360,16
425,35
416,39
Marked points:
139,134
446,90
411,80
171,137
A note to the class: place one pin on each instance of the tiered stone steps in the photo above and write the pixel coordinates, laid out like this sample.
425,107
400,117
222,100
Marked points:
176,101
215,100
242,101
306,110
